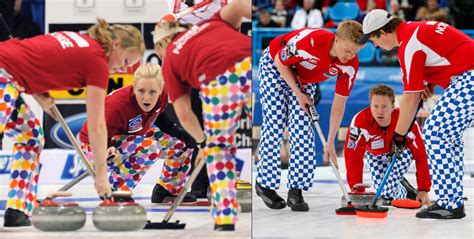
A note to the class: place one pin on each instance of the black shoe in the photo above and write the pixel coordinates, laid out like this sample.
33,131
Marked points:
270,197
296,202
437,212
224,227
161,195
16,218
411,191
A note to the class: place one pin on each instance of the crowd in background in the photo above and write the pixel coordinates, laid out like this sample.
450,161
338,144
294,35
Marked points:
314,13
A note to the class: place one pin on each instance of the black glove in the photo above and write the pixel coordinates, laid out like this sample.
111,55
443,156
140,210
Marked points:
399,143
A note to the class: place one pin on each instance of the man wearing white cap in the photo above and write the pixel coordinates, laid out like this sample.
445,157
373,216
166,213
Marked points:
438,54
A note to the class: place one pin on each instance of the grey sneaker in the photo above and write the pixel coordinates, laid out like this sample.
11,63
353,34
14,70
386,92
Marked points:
270,197
437,212
296,202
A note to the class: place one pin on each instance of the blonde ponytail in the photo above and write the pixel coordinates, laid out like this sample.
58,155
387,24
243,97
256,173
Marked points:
130,37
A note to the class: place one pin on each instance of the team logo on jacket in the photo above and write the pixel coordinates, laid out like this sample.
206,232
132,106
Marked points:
351,144
284,55
292,49
354,133
135,124
332,72
289,51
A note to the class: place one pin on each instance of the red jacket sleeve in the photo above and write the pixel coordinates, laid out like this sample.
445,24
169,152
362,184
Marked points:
354,150
418,150
345,79
413,68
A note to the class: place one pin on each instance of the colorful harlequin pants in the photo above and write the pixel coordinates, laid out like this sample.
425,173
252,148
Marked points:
223,101
18,122
280,108
443,134
137,153
378,165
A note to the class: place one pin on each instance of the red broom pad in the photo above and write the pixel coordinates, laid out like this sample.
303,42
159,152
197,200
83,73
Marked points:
406,203
372,212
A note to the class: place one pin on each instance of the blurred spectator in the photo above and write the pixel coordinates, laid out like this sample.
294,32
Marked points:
264,19
367,5
432,12
307,16
463,12
395,9
291,6
23,24
279,13
258,5
326,4
410,8
443,3
6,10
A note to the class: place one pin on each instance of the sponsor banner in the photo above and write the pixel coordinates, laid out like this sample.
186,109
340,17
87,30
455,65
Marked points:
59,166
74,115
5,162
116,81
243,137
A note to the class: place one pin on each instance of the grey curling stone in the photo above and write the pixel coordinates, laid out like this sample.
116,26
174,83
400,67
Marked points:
360,200
119,216
54,216
244,198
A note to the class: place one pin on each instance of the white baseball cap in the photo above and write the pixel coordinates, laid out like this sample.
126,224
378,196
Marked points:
374,20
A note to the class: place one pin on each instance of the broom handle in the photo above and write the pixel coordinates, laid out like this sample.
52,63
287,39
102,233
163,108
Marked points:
393,158
73,140
315,119
192,9
185,189
384,179
70,184
78,179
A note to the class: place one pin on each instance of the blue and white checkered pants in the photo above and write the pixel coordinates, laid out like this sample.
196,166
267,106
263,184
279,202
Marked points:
443,135
281,109
378,165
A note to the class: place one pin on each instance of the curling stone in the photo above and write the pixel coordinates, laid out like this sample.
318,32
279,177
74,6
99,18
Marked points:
359,197
244,196
58,216
111,215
